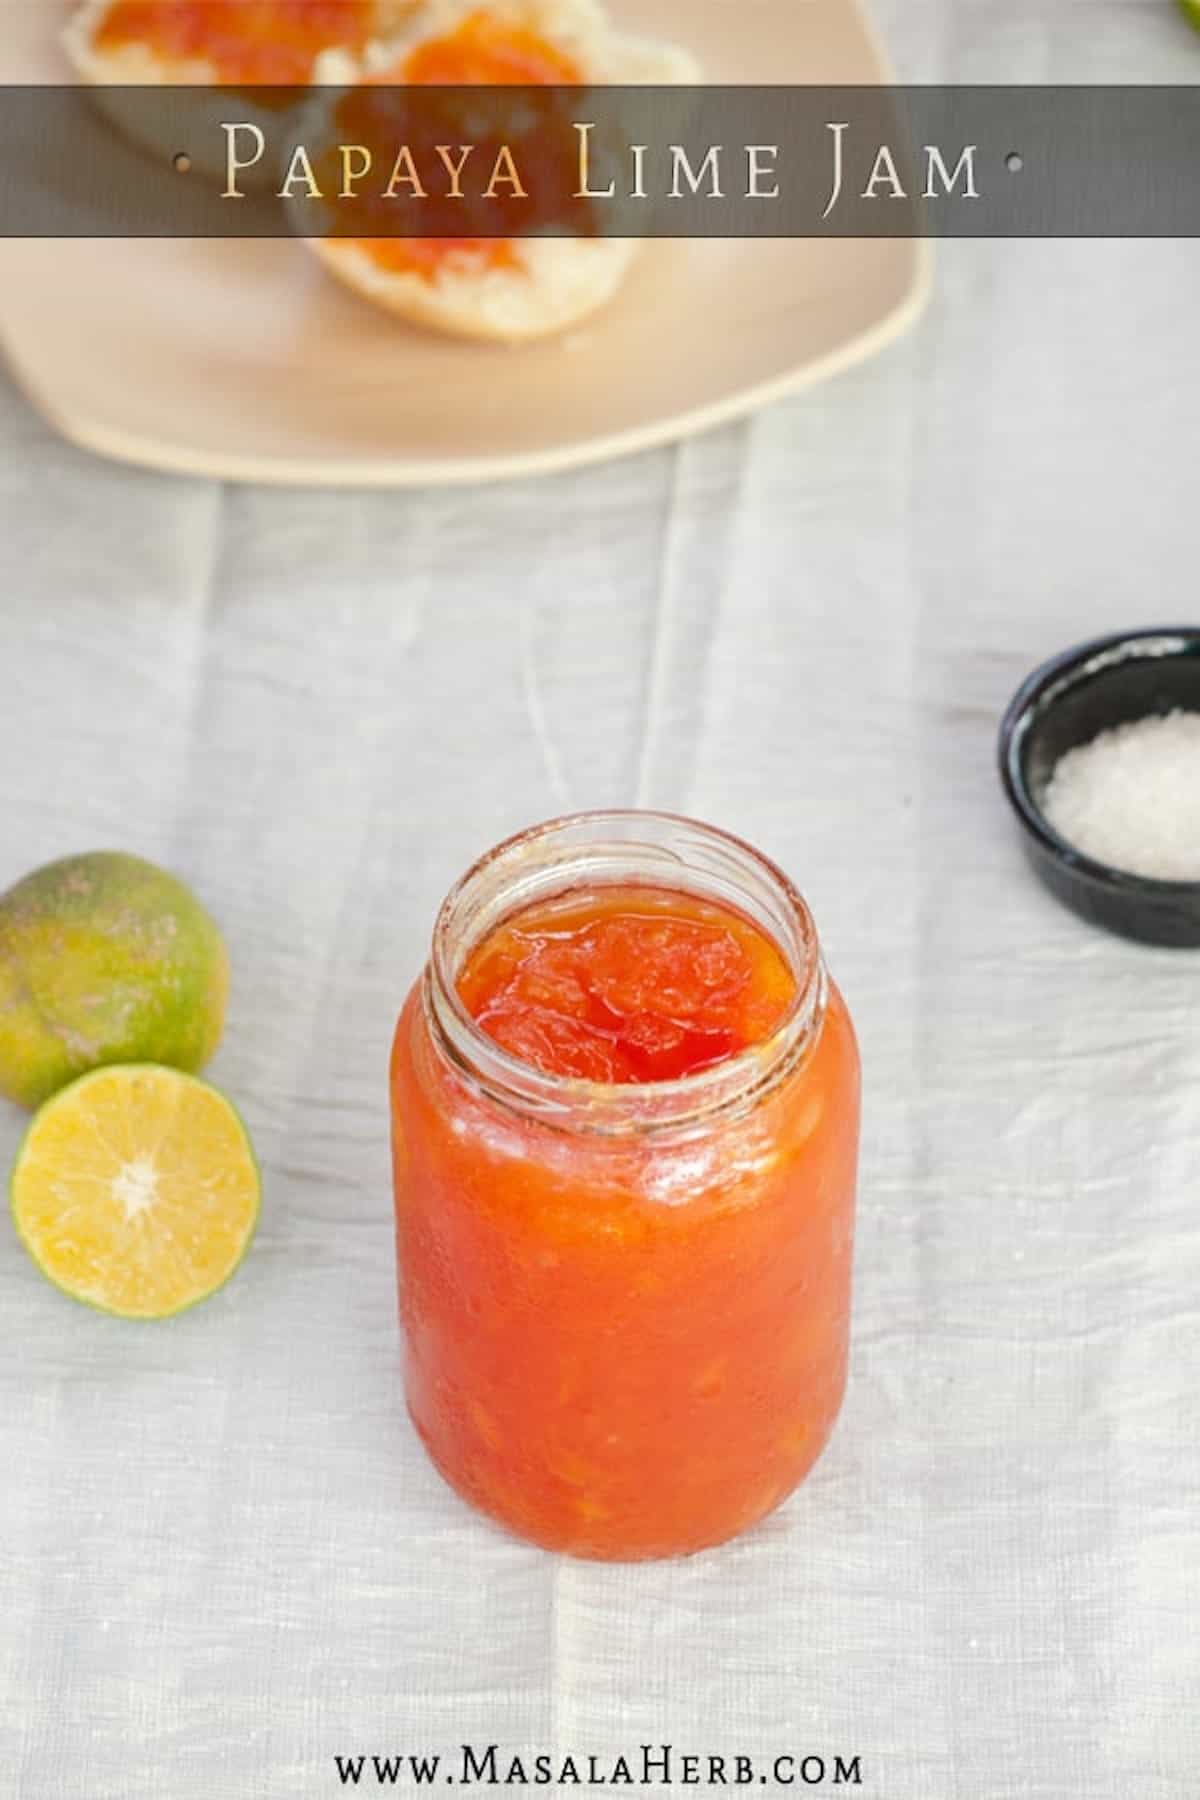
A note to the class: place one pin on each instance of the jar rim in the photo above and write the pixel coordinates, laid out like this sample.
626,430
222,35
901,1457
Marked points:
736,873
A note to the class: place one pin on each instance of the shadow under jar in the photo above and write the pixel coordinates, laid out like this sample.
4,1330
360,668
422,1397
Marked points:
626,1301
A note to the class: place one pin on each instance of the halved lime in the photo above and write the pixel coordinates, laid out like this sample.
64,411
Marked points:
136,1190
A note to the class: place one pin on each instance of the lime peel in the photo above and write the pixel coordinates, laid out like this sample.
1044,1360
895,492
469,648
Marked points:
105,958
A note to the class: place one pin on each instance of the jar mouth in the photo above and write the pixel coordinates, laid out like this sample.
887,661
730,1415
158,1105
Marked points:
626,847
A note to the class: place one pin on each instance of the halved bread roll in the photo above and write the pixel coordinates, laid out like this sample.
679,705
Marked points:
518,289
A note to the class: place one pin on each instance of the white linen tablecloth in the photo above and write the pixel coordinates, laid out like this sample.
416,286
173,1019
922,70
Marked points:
224,1560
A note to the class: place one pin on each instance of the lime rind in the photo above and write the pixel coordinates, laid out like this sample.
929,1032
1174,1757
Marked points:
105,959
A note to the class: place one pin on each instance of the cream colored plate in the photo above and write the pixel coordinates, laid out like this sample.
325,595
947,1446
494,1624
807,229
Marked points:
242,360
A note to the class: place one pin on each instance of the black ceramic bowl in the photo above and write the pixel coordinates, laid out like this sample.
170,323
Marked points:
1111,681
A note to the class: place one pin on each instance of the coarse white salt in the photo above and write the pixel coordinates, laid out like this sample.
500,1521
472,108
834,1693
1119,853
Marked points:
1131,797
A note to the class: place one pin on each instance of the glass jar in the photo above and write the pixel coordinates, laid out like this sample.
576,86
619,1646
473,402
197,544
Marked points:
626,1307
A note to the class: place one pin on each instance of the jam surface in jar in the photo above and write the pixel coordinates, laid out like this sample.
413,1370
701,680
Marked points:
627,985
626,1330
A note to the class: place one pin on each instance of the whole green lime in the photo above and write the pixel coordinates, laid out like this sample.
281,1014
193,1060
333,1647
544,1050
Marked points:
1191,10
105,958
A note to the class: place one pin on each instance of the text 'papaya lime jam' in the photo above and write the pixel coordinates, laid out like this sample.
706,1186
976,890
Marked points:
625,1114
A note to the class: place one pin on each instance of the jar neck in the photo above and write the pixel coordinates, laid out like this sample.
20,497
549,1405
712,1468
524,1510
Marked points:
609,849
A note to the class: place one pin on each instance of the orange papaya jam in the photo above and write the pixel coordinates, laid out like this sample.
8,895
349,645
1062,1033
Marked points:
272,42
481,51
627,984
625,1131
486,51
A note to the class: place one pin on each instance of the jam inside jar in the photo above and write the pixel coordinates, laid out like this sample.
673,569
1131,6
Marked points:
625,1112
